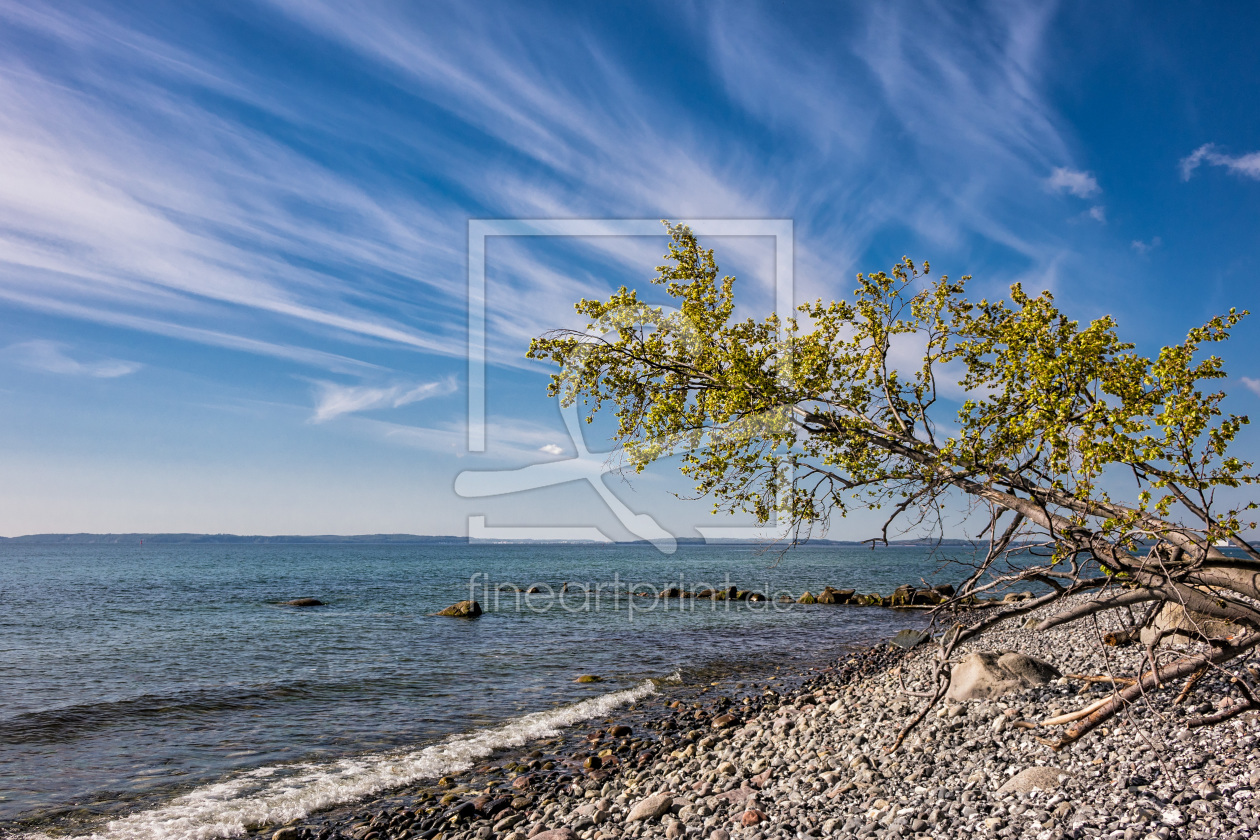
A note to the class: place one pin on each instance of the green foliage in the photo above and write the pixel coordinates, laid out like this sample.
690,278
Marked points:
848,394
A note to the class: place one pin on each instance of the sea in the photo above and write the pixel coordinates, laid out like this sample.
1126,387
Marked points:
166,692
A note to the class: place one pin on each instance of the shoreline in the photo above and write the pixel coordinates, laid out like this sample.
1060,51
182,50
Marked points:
802,755
798,750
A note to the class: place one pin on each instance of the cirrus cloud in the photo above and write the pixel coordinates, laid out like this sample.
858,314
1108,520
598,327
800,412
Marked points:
335,400
51,357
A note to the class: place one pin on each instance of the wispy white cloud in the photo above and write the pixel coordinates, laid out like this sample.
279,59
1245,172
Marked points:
1079,184
1098,213
1247,165
334,400
171,211
121,194
51,357
1250,384
1144,248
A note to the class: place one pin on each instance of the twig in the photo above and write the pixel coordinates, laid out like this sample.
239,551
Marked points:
1101,678
1190,681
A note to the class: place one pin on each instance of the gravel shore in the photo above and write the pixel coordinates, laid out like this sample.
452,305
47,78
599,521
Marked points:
804,755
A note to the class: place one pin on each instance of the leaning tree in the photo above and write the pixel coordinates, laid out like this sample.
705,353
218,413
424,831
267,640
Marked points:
1090,469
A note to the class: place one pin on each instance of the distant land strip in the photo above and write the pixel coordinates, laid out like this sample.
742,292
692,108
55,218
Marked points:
381,539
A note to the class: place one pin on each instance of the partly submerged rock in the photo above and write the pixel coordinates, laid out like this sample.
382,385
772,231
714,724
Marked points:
304,602
589,678
807,598
983,676
1035,778
463,609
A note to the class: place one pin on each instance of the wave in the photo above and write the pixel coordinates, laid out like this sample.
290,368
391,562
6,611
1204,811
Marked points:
68,721
274,795
76,720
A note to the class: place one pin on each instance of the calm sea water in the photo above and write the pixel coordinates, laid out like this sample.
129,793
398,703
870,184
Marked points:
165,688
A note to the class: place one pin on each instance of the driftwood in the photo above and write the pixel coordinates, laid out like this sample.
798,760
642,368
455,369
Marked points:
1077,715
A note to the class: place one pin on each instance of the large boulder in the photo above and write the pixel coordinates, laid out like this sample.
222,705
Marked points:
1183,625
463,609
983,676
807,598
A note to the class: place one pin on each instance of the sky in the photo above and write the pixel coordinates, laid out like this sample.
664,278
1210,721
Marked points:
234,237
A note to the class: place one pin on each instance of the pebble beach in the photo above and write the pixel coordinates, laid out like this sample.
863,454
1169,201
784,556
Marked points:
805,754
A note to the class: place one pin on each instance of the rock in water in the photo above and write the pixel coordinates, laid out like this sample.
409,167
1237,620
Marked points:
304,602
286,833
1035,778
907,639
807,598
464,609
651,808
589,678
984,676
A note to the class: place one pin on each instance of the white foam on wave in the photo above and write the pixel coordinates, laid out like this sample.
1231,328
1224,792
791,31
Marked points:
277,794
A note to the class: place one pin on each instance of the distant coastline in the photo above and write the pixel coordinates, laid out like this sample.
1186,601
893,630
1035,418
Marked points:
381,539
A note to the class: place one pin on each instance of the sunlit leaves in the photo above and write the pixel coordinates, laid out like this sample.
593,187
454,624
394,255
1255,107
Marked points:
1052,407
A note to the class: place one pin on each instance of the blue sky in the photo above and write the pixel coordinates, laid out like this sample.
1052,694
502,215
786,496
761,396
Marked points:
233,237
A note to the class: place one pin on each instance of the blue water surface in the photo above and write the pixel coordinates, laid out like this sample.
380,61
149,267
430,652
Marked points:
132,673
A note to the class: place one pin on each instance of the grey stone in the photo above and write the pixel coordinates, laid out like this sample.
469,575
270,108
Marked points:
650,808
562,833
983,676
908,639
1035,778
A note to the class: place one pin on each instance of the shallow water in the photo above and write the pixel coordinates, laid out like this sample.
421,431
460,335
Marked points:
136,680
